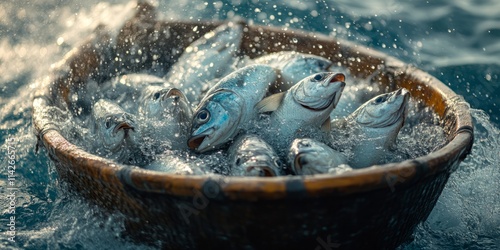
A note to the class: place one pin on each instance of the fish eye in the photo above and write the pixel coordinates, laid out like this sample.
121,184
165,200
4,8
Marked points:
318,77
379,100
156,96
203,116
108,122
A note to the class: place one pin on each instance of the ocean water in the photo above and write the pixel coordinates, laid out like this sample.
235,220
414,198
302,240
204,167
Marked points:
456,41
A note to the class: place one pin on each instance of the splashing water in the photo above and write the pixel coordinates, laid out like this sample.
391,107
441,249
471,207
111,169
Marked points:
431,35
467,215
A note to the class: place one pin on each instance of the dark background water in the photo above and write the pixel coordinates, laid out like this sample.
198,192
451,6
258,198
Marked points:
456,41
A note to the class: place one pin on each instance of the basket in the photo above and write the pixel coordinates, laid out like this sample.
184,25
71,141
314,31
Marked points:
377,207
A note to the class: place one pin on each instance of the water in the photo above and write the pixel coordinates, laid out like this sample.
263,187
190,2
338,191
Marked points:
456,41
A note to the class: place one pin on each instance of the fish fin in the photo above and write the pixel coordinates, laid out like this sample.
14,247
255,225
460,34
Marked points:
270,103
326,126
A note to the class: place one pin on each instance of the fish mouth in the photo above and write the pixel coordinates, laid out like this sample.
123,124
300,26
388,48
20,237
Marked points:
298,163
263,171
339,77
400,98
123,125
174,93
198,142
175,103
405,95
335,78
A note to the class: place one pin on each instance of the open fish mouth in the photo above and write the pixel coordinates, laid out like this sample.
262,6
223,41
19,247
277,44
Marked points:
199,142
298,163
174,93
196,141
123,125
263,171
339,77
320,104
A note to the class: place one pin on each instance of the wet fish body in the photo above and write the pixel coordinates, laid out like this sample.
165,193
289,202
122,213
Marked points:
307,104
115,131
249,155
162,113
308,157
353,97
229,106
377,124
210,57
293,67
158,102
124,90
165,116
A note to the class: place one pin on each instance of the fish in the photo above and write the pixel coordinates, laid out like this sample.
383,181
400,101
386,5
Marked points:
157,102
115,133
376,125
207,58
250,155
229,106
165,115
126,90
353,97
308,157
175,164
307,104
293,67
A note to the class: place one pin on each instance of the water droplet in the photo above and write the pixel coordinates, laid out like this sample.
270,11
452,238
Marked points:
60,41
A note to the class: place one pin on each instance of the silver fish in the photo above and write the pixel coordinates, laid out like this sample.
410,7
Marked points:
157,102
165,118
309,157
207,58
228,107
116,135
123,90
353,97
307,104
251,156
293,67
174,164
377,123
126,90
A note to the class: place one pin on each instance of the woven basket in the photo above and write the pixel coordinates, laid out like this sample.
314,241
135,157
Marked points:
376,207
